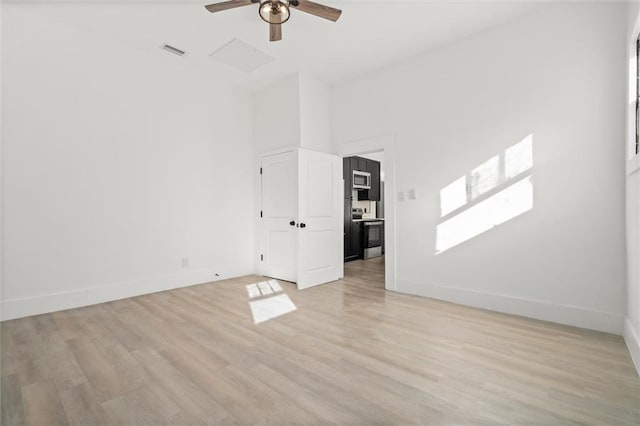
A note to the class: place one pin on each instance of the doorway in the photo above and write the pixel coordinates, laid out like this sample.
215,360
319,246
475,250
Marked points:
363,224
369,212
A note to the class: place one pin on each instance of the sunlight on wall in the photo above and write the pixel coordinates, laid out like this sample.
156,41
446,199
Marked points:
497,209
518,158
515,197
453,196
485,177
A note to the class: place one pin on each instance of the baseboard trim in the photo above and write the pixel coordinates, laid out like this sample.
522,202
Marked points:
24,307
592,319
633,343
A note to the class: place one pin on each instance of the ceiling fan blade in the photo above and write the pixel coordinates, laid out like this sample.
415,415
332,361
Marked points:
317,9
218,7
275,32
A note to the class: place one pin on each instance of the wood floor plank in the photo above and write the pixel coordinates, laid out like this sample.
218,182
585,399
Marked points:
42,405
130,373
222,391
276,408
99,372
28,349
82,406
142,407
69,323
352,353
11,409
9,356
186,394
325,409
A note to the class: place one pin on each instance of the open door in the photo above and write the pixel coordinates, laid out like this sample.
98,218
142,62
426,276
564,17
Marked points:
301,217
279,239
320,218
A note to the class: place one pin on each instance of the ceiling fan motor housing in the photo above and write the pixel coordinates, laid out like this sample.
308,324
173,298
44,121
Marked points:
275,11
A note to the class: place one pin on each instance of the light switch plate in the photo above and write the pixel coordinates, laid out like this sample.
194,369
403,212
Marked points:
412,194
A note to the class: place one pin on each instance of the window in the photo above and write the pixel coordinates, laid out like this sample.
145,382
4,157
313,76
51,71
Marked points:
638,95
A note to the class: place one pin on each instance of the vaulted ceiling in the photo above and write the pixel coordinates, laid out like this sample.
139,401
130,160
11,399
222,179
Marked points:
368,36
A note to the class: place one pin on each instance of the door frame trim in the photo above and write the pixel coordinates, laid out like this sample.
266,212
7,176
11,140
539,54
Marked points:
387,144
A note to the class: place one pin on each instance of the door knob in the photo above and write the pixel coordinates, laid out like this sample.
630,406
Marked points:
292,223
303,225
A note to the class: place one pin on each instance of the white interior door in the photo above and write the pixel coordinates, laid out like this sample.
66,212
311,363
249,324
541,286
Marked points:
320,218
279,209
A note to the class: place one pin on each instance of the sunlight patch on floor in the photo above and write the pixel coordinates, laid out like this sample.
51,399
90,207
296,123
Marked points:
263,288
271,307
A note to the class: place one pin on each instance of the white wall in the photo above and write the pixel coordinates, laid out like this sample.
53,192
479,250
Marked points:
632,323
555,74
315,114
292,112
117,164
276,115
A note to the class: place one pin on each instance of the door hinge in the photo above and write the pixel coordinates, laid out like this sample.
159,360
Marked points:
260,213
261,257
260,170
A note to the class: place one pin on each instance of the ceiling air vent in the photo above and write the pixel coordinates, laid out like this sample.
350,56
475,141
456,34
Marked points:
173,50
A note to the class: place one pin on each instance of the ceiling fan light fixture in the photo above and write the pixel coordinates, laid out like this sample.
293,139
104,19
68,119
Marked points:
274,12
277,12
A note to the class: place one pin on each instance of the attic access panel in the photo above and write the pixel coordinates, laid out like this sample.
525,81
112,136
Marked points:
241,56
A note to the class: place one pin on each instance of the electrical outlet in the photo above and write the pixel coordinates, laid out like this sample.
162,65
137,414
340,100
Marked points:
401,196
185,262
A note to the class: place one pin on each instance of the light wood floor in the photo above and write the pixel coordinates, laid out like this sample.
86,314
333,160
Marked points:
351,354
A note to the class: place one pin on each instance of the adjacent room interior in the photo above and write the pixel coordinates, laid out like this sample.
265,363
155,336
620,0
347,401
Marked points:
363,177
335,212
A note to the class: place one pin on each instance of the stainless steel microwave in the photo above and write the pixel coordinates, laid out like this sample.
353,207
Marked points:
361,180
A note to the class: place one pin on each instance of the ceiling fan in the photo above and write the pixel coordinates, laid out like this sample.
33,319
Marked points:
277,12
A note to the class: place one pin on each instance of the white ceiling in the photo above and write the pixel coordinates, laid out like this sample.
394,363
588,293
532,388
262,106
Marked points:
368,36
